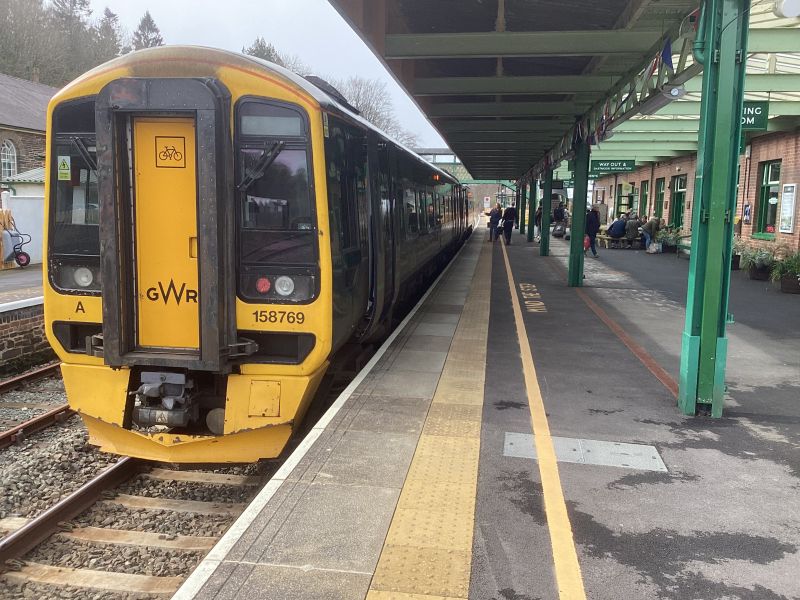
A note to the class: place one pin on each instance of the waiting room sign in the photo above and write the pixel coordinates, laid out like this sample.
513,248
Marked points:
755,116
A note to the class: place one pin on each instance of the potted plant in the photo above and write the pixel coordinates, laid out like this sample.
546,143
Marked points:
787,272
739,246
758,262
668,240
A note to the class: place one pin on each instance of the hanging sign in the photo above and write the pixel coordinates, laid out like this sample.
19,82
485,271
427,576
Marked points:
755,116
612,166
787,208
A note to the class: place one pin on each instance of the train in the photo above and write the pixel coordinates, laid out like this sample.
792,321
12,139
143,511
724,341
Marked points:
217,229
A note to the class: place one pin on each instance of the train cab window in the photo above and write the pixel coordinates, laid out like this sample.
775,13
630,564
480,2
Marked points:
277,223
74,244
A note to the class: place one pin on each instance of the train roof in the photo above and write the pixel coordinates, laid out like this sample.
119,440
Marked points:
200,54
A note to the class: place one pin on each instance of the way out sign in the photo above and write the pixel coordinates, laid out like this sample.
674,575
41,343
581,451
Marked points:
611,166
755,116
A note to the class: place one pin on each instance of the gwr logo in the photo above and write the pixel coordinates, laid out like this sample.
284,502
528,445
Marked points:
171,291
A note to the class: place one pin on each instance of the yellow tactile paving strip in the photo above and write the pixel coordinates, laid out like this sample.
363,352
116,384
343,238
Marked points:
428,550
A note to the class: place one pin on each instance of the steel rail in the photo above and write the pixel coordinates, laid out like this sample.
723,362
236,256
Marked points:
14,382
16,544
19,432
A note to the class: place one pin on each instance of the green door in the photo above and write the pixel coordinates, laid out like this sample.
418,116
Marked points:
678,201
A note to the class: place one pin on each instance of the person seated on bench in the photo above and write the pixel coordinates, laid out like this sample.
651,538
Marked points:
632,229
649,230
617,228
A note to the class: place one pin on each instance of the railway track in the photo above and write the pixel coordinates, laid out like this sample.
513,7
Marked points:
75,543
15,430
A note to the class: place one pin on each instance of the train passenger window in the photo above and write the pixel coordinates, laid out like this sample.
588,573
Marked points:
280,199
411,212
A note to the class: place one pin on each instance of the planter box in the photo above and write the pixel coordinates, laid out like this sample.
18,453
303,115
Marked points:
759,273
735,262
790,284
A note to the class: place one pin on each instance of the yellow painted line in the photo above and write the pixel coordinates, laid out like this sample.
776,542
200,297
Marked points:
427,554
568,571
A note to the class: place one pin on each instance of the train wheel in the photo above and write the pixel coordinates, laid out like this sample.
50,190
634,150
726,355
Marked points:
23,259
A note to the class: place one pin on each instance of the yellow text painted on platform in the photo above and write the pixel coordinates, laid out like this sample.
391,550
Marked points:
532,299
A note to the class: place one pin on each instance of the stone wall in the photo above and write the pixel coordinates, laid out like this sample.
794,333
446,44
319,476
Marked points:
30,147
22,339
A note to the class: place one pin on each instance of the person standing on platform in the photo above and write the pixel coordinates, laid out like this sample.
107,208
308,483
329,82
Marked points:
494,220
592,228
559,214
537,221
509,218
632,229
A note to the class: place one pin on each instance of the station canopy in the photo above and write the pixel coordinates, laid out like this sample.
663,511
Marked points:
510,83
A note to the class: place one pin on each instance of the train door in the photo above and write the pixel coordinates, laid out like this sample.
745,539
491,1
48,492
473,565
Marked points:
165,209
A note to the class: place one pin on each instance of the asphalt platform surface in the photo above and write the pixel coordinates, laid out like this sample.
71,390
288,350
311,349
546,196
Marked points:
723,522
20,284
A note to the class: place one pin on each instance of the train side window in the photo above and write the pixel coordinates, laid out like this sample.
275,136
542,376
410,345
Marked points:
411,211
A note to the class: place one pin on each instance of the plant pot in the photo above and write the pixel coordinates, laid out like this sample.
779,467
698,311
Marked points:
759,273
668,248
735,262
790,284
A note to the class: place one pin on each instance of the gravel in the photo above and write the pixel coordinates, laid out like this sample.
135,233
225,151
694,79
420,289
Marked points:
36,591
187,490
30,400
135,560
46,467
154,521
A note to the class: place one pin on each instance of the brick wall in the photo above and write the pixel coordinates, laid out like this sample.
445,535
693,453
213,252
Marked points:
22,339
30,148
775,146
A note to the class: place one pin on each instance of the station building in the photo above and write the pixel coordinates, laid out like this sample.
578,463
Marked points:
767,209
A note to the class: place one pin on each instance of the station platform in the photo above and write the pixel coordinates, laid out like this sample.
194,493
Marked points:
20,284
519,439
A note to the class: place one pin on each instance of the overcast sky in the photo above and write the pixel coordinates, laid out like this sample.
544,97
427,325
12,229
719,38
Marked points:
311,29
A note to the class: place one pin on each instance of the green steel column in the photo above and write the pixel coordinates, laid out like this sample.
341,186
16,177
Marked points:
532,208
721,47
544,245
578,226
521,206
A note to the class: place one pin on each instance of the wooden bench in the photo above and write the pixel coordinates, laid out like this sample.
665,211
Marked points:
684,246
607,242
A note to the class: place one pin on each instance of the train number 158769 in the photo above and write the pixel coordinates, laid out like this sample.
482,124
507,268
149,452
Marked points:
278,316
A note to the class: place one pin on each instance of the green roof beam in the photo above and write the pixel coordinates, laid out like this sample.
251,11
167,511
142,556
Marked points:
759,82
504,109
517,43
497,125
660,137
565,84
772,40
658,125
620,144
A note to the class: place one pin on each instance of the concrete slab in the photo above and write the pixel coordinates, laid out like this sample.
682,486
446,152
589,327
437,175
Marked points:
417,360
288,583
432,343
413,384
352,461
588,452
319,533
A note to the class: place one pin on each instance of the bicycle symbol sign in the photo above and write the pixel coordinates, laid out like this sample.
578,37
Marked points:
170,152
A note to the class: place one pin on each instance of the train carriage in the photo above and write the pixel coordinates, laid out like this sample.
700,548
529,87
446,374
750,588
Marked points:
217,228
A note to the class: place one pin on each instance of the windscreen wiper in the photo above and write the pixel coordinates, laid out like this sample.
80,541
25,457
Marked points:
84,152
267,157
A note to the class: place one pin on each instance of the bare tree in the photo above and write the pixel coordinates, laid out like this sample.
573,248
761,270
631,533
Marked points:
372,100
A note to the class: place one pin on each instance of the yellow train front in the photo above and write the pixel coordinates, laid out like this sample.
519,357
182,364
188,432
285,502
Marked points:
217,228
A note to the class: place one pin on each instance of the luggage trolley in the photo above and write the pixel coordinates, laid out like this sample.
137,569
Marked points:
13,241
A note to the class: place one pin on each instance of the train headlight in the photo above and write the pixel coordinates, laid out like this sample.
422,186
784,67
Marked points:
263,285
83,277
284,285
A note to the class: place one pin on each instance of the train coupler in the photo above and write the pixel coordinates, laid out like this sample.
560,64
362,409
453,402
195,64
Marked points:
165,399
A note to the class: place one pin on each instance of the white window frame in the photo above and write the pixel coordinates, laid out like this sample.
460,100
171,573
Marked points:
8,159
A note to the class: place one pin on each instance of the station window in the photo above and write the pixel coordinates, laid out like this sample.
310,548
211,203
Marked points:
658,209
8,159
769,192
